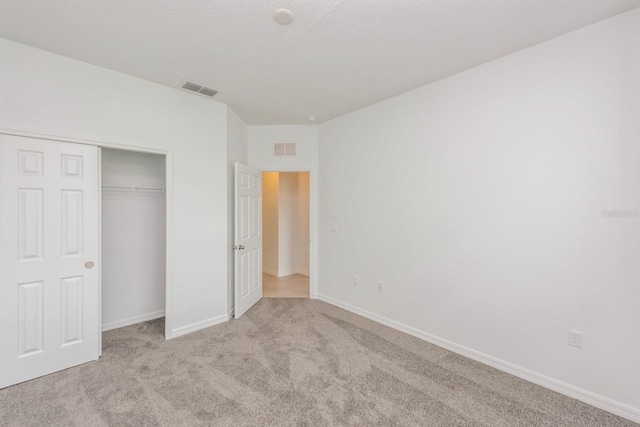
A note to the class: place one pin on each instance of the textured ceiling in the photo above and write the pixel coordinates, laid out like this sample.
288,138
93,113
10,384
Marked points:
337,55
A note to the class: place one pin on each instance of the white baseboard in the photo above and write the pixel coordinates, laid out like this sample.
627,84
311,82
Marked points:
275,273
183,330
585,396
132,320
286,273
270,272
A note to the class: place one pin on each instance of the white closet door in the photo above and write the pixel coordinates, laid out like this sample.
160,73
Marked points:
49,248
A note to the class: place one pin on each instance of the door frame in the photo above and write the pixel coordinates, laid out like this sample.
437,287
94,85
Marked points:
168,155
313,221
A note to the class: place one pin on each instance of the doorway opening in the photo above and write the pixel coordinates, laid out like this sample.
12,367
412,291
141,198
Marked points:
133,217
285,234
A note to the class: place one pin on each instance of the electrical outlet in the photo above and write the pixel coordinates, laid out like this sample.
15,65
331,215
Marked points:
380,287
355,280
575,339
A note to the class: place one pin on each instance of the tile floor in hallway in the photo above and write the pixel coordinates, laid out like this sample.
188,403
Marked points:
293,286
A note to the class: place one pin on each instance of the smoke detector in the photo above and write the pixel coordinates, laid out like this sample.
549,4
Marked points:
195,87
283,16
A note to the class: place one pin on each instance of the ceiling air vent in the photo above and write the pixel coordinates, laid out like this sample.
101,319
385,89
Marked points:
195,87
284,149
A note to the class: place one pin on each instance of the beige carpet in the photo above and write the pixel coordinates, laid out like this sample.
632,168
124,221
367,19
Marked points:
286,362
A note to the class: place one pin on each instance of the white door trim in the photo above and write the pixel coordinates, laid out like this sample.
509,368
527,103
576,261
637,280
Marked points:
168,328
313,221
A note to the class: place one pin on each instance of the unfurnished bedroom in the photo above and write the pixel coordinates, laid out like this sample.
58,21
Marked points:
330,213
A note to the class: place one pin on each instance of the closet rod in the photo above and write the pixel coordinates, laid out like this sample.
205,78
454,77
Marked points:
123,188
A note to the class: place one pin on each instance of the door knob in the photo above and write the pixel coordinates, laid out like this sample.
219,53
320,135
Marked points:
89,264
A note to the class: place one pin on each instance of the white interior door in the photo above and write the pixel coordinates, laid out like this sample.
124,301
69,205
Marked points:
248,238
49,248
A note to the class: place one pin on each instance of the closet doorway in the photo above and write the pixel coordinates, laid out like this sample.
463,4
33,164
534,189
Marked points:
286,232
133,211
76,258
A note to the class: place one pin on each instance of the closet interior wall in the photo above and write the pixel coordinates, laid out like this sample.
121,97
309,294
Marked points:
133,237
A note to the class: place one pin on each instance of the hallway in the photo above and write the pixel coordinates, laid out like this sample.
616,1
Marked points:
293,286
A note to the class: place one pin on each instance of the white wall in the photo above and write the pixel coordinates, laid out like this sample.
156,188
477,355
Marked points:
270,233
237,151
287,223
261,140
49,94
478,201
133,239
301,250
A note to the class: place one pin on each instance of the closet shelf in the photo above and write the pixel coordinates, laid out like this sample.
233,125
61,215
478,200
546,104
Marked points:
139,189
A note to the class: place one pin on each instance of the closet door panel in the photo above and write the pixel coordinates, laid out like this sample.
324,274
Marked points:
49,272
30,318
72,222
72,310
30,224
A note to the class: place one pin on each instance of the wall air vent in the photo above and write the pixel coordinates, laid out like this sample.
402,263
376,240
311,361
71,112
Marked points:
284,149
195,87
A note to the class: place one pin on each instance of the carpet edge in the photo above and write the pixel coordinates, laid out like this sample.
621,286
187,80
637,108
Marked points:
618,408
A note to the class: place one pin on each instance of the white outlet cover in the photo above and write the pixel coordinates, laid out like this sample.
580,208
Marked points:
575,339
